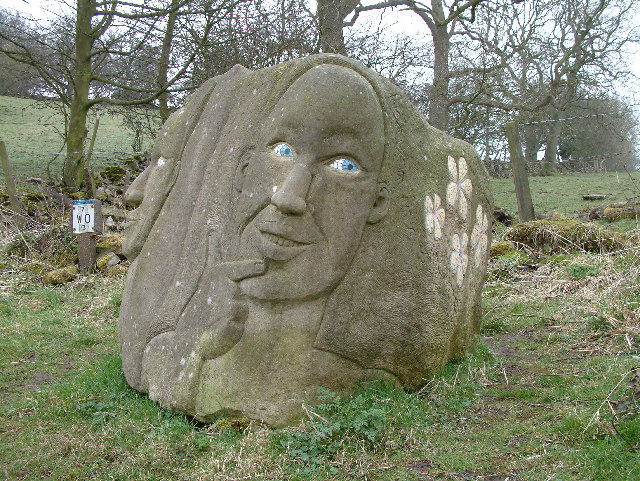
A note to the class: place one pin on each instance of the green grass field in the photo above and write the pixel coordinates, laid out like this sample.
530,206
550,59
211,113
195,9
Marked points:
549,393
563,193
532,402
32,132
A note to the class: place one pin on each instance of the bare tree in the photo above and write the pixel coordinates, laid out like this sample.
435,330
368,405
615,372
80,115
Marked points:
331,16
95,51
16,79
256,35
442,22
542,56
601,135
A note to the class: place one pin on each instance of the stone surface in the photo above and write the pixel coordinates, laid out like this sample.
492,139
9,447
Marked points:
107,260
299,226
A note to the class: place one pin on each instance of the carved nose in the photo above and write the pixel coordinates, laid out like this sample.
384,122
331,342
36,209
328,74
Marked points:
133,197
135,193
290,196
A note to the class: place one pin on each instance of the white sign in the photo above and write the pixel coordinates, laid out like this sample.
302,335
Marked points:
83,218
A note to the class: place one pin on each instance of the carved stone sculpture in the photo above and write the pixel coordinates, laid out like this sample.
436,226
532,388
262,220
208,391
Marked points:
299,226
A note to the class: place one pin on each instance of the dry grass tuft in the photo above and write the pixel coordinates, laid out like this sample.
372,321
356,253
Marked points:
566,235
601,309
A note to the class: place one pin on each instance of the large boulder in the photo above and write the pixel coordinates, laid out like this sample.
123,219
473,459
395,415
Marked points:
299,226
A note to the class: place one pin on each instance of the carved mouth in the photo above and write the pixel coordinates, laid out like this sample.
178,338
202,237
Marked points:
275,247
131,219
281,241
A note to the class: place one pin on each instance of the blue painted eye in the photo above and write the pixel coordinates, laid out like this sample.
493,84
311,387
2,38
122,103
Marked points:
283,150
345,165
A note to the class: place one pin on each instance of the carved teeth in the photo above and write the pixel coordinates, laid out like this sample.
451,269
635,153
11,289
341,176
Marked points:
281,241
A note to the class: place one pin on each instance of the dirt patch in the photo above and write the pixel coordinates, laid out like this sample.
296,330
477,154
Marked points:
505,351
505,345
39,378
420,466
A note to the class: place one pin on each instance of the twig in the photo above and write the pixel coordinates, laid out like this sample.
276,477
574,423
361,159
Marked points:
606,400
634,448
312,414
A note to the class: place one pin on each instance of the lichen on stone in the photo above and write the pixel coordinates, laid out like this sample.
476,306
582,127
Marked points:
110,242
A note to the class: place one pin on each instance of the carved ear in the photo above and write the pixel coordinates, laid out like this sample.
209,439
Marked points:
380,206
241,171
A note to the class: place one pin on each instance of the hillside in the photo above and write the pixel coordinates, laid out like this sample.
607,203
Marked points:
563,193
31,130
550,391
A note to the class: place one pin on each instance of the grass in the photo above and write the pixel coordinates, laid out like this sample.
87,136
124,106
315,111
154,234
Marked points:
530,402
563,193
32,132
547,394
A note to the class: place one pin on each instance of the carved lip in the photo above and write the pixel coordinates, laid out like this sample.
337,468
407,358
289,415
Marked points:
279,248
132,219
297,230
282,241
282,237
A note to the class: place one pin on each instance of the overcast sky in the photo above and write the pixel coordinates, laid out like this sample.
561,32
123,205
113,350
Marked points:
405,22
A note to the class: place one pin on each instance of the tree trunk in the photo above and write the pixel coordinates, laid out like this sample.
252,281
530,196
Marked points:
519,172
439,94
531,141
163,62
551,148
74,162
331,15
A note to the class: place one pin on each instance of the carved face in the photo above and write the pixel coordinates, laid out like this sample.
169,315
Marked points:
311,185
147,193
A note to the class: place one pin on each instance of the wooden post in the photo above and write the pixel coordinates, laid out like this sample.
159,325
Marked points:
15,203
519,171
86,222
86,252
89,182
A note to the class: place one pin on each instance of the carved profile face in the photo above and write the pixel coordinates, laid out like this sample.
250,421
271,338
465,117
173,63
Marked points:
147,194
311,185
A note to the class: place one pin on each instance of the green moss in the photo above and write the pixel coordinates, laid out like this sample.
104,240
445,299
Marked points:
60,276
501,248
103,262
110,242
107,260
113,173
613,214
32,196
102,195
79,195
